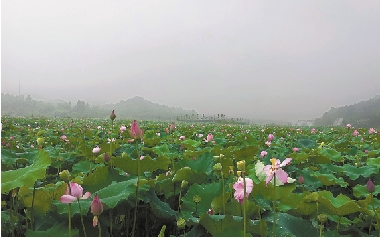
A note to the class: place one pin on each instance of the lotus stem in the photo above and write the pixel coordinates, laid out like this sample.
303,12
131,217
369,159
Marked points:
274,205
81,218
244,206
137,187
99,228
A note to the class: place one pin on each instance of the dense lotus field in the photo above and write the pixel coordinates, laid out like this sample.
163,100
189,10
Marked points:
98,177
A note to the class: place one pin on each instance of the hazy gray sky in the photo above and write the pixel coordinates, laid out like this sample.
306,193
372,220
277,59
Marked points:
253,59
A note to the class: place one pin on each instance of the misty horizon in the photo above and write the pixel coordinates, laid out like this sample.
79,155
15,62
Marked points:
257,60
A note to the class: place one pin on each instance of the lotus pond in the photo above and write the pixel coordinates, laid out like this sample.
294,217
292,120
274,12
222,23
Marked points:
104,177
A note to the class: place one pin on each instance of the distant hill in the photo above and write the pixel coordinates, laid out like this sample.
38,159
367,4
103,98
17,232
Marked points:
141,108
362,114
135,108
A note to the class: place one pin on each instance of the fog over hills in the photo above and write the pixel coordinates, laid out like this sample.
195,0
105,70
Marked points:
260,60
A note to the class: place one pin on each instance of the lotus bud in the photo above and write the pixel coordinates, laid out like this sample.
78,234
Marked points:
217,167
370,186
241,165
40,141
238,173
322,218
301,180
197,199
181,223
184,183
65,175
106,158
112,116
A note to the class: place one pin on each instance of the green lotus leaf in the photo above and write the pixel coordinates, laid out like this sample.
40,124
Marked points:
306,143
189,175
203,164
299,157
247,152
341,205
162,150
331,154
101,177
361,191
354,172
161,209
26,176
288,225
55,230
191,144
330,179
44,196
206,192
375,162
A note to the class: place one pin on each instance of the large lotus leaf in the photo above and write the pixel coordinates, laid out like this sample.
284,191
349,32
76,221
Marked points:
206,192
151,142
191,144
361,191
224,225
218,203
44,196
189,175
375,162
150,165
215,224
101,177
8,157
63,208
331,154
116,192
26,176
162,150
161,209
233,207
164,185
268,191
354,172
299,157
288,225
290,202
329,179
56,230
306,143
341,205
81,167
318,159
203,164
247,152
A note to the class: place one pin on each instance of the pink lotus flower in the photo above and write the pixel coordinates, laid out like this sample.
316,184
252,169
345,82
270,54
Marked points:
312,131
182,137
301,180
275,169
355,133
263,153
239,189
172,126
64,137
268,143
135,131
209,137
76,193
371,130
270,137
96,150
348,126
210,211
122,129
295,149
96,209
167,130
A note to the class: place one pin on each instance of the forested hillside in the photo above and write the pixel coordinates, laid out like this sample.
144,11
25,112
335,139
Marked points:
136,108
362,114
